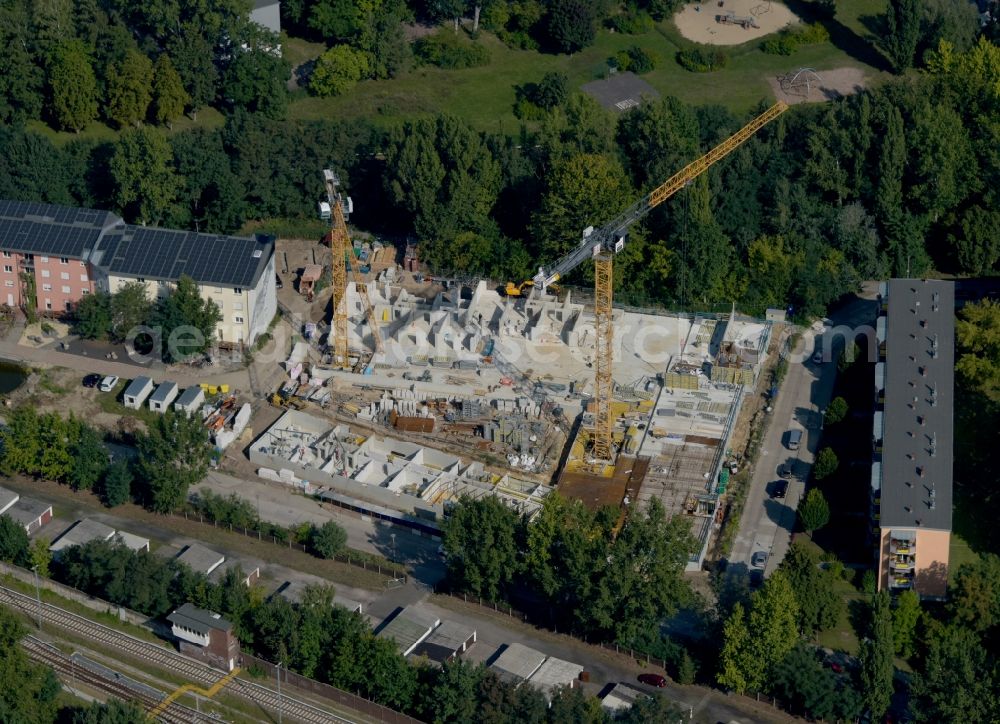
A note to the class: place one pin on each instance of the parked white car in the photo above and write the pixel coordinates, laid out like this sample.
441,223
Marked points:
108,383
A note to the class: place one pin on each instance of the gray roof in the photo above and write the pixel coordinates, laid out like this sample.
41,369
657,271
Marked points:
919,401
555,673
188,396
198,619
165,254
83,531
31,228
137,386
409,628
27,510
163,392
201,559
517,663
446,640
8,498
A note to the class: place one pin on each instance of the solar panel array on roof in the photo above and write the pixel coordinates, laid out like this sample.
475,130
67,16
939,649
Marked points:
32,228
167,254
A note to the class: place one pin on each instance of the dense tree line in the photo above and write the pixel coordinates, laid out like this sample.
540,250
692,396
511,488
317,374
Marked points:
173,454
571,563
900,179
126,62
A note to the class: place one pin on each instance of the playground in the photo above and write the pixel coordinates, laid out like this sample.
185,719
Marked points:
732,22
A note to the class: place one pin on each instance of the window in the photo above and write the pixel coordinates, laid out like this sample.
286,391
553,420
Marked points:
63,260
83,263
44,259
46,287
141,279
48,304
45,273
8,283
6,255
69,306
84,292
8,268
238,306
237,320
64,275
65,289
83,278
237,290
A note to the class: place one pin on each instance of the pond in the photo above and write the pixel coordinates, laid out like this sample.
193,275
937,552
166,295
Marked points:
11,377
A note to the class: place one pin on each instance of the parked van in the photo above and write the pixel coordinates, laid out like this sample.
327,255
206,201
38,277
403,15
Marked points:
794,438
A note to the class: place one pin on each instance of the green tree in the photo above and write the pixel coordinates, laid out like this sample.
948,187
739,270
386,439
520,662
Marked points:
572,24
826,464
21,78
93,316
142,175
773,625
129,89
958,679
57,435
836,411
40,556
187,321
114,711
257,76
14,547
905,617
72,86
658,139
585,189
977,243
22,441
480,545
875,658
169,97
902,32
814,511
820,606
574,706
806,685
338,70
450,694
193,58
173,455
116,488
890,170
652,709
552,91
328,539
943,166
737,668
129,307
978,335
28,691
90,459
336,20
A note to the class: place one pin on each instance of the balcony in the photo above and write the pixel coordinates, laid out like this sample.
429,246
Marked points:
900,583
902,548
902,564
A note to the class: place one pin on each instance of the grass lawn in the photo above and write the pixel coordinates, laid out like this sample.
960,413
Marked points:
843,637
485,96
959,554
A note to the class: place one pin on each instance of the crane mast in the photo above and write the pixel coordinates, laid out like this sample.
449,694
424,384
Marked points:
342,252
602,244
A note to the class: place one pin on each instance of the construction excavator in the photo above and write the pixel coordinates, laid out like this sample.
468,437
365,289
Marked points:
601,245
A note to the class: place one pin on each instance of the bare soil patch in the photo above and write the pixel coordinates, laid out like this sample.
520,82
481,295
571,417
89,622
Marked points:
701,23
823,85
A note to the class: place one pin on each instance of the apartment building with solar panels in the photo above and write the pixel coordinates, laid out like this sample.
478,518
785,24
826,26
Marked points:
52,256
913,433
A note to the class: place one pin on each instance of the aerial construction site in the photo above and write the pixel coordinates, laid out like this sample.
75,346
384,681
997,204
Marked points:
412,392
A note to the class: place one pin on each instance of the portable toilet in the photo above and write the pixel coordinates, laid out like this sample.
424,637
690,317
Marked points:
137,392
190,400
160,400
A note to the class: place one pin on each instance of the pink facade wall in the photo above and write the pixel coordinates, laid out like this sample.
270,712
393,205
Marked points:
60,282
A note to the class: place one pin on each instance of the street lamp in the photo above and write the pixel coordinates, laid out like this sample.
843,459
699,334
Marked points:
278,671
38,597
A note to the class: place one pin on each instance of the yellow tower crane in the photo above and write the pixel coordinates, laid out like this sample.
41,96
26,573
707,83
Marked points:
601,245
342,253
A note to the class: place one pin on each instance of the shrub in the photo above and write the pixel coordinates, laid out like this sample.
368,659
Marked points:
445,49
631,22
328,539
780,45
787,41
338,70
826,464
836,411
702,60
634,59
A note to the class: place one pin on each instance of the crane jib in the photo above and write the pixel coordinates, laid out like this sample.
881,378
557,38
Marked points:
608,237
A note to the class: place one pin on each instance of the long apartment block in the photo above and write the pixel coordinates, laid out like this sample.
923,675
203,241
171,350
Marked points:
913,432
52,256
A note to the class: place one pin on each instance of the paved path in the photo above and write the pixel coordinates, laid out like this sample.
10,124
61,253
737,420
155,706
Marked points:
766,524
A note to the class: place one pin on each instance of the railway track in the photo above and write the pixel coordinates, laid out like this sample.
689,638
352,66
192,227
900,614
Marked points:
47,654
194,671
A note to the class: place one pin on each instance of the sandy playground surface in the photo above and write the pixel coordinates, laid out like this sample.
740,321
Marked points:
822,85
697,21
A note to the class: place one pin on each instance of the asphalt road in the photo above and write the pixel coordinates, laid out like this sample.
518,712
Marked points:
766,523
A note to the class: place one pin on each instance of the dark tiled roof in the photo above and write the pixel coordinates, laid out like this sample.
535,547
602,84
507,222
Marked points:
919,401
165,254
198,619
31,228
